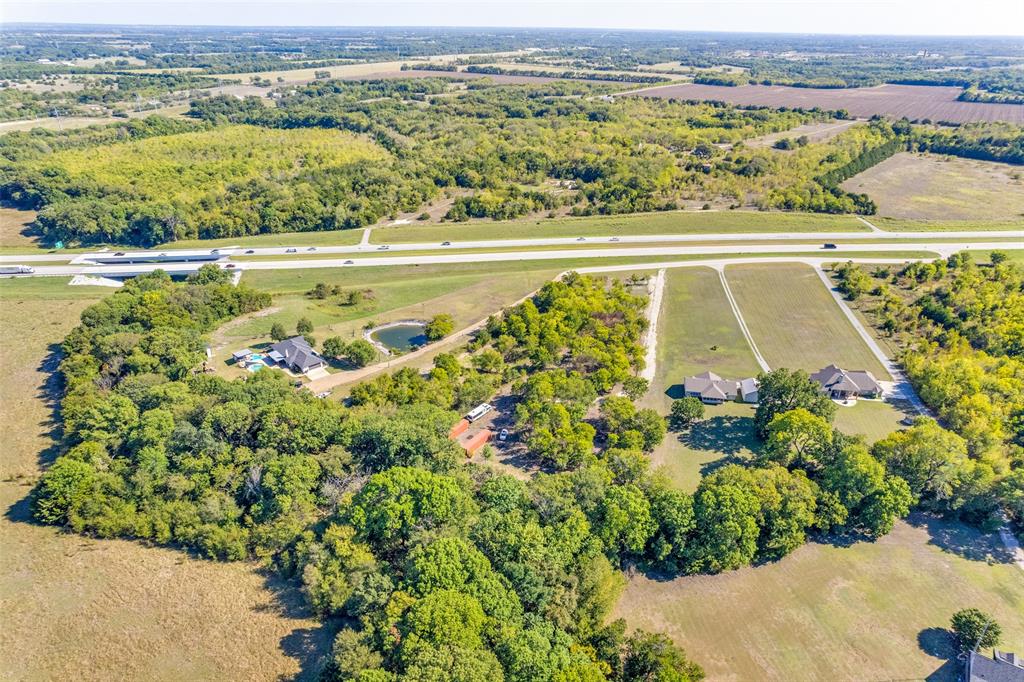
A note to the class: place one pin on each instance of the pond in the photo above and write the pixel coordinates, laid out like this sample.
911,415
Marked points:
401,337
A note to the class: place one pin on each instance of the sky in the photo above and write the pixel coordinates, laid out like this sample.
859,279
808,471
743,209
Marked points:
885,17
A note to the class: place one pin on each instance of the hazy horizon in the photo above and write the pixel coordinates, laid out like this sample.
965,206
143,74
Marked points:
910,18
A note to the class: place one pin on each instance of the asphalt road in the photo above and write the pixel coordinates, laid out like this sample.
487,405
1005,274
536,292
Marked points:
366,247
943,249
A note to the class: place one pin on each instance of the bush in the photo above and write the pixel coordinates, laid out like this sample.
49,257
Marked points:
685,411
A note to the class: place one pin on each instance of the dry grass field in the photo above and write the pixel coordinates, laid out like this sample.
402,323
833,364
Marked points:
911,101
869,611
929,187
13,224
77,608
794,320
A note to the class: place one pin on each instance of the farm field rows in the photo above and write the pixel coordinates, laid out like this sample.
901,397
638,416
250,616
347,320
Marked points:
79,608
794,320
910,101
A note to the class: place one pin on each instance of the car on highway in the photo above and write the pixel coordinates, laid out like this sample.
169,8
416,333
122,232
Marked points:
229,266
119,253
383,247
446,243
581,239
312,248
248,251
16,270
348,262
291,250
214,251
829,245
614,239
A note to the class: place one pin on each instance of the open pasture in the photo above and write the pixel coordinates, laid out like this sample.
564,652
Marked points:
814,132
912,101
794,320
930,187
78,608
869,611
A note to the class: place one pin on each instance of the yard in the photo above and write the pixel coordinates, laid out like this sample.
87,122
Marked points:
78,608
931,187
794,320
868,611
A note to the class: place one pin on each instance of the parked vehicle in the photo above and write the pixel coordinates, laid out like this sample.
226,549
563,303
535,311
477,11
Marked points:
16,270
479,411
503,434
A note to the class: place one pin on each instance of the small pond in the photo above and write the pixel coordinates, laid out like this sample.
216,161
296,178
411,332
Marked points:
401,337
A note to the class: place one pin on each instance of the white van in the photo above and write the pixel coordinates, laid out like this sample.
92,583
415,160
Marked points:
479,411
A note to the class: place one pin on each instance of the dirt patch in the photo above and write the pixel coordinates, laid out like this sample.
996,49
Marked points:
15,228
926,186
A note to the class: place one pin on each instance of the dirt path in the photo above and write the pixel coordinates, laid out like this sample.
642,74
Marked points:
656,289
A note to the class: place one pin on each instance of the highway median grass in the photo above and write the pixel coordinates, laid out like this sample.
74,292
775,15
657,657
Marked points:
668,222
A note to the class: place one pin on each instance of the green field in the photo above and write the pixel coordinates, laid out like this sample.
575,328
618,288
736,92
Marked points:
794,320
905,225
870,611
669,222
79,608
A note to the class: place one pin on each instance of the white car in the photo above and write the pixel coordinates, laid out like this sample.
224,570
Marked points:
503,434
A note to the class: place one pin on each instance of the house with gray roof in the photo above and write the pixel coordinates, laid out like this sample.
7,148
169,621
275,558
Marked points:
296,354
1002,667
841,384
714,390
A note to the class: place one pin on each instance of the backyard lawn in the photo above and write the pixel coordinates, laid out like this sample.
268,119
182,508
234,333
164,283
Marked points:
794,320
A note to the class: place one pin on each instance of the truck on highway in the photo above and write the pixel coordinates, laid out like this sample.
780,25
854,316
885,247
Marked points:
16,270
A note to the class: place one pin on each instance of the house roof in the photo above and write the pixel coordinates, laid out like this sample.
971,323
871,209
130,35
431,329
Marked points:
985,669
710,385
748,386
297,353
834,378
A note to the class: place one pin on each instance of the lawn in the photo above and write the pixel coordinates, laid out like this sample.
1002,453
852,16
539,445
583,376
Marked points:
794,320
869,611
397,294
78,608
669,222
695,317
928,186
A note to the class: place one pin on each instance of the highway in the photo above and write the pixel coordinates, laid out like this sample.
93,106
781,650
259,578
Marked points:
366,248
765,251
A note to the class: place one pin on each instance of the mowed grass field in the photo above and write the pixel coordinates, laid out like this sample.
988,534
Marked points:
667,222
794,320
870,611
695,318
931,187
77,608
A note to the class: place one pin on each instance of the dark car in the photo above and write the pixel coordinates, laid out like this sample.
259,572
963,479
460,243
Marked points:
290,250
119,253
348,262
446,243
229,266
250,251
829,245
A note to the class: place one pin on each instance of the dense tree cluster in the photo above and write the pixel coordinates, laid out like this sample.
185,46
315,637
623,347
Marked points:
986,141
961,326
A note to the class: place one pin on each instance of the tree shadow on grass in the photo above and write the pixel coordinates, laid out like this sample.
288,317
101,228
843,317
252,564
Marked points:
938,643
48,393
960,539
725,434
676,391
